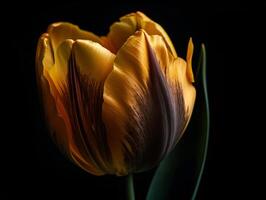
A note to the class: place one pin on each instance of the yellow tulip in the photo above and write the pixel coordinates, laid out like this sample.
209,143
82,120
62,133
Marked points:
115,104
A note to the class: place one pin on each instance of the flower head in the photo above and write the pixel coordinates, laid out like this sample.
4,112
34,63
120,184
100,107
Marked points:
115,104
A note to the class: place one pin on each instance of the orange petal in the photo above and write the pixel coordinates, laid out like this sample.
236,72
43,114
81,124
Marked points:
189,91
176,72
55,108
153,28
59,40
128,25
128,79
48,92
93,60
61,31
138,107
89,65
189,60
120,31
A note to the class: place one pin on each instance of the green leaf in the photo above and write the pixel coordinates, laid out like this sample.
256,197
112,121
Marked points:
179,174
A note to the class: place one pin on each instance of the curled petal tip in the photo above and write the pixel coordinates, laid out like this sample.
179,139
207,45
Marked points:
190,50
45,53
93,59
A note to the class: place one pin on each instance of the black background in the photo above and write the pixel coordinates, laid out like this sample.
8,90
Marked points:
233,34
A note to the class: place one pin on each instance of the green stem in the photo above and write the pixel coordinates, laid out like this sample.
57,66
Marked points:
130,187
202,67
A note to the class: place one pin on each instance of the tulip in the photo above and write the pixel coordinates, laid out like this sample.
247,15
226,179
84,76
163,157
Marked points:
115,104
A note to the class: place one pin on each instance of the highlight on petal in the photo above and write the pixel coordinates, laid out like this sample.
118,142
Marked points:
92,59
128,25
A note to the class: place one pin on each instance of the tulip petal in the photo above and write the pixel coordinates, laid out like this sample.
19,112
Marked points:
189,60
128,25
127,80
55,106
93,60
189,92
153,28
60,37
89,65
44,59
61,31
119,32
139,108
182,91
